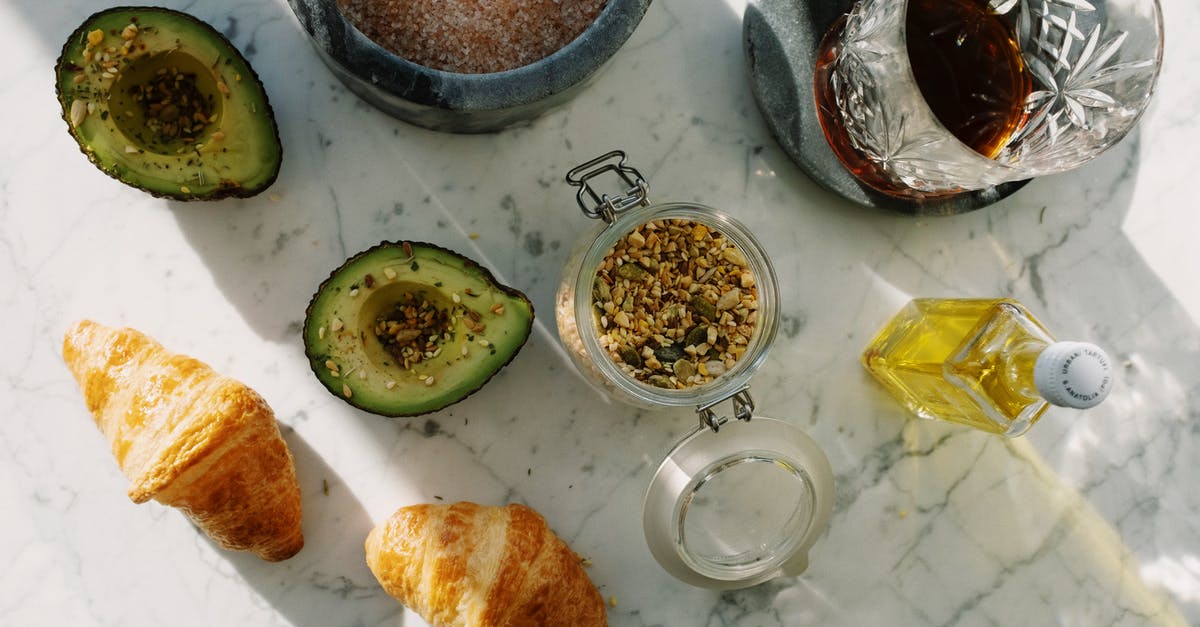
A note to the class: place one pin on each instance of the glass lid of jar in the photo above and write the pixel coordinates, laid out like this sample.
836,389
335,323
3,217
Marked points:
734,506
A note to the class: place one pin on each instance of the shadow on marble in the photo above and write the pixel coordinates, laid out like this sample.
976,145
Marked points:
47,21
327,582
983,519
534,435
254,251
1059,246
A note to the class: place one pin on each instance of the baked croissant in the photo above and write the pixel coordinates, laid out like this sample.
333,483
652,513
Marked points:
190,438
467,565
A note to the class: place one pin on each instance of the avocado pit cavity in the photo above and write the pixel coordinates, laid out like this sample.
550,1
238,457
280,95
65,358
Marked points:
413,329
165,103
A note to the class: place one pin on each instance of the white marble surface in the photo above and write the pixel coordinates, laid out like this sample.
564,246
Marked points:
1091,519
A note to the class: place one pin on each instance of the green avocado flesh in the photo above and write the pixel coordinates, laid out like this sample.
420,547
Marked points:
161,101
407,328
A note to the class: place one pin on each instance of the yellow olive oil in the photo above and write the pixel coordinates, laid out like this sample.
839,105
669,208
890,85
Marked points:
968,361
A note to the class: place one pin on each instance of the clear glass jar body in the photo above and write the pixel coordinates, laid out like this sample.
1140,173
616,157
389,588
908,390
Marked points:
577,327
730,506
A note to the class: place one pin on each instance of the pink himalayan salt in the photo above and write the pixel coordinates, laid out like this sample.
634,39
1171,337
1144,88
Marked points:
472,36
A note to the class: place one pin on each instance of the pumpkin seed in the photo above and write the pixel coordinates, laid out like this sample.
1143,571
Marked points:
703,308
632,272
669,354
698,335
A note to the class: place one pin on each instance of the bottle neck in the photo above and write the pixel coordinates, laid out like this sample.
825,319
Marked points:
1018,364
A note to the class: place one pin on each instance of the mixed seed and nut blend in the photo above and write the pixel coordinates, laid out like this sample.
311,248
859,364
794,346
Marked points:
414,330
173,107
675,303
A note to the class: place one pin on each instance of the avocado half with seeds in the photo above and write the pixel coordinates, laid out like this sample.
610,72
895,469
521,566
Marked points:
161,101
407,328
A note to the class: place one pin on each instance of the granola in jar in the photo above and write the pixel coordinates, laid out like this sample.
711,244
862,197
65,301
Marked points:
675,303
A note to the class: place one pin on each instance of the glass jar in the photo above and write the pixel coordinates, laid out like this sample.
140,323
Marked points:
734,503
575,317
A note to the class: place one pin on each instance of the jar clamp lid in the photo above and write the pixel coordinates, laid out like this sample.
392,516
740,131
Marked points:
738,506
735,502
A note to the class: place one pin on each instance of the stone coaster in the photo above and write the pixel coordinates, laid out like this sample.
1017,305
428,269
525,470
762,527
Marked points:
781,39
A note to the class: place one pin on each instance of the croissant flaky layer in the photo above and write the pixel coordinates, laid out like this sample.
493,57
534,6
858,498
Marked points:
190,438
470,565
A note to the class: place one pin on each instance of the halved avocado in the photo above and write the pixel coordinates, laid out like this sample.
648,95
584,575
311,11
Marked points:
407,328
160,100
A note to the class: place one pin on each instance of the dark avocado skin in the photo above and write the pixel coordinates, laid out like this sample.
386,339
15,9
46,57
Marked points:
316,360
226,189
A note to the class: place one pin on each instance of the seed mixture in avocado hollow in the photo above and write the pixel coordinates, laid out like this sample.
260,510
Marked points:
407,328
161,101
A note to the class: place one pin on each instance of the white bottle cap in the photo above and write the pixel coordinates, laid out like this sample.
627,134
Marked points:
1073,374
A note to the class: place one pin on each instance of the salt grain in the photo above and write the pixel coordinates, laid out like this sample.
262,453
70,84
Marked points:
472,36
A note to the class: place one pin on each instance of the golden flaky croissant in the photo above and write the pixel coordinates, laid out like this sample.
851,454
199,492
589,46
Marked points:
190,438
472,565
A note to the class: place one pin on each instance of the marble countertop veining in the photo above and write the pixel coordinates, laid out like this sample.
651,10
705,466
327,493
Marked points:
1090,519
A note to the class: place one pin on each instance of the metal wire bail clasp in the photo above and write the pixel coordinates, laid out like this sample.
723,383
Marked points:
604,206
743,409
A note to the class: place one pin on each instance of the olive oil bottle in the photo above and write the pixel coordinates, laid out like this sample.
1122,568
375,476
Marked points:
987,363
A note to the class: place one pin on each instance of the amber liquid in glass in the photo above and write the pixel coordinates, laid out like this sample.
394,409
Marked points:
968,67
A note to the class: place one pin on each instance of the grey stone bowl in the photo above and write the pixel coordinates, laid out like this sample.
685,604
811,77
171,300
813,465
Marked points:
463,103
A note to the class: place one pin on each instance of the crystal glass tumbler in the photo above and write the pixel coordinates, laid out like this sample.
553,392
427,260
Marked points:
922,98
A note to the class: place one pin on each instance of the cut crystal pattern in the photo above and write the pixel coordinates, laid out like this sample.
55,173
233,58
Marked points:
1090,81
